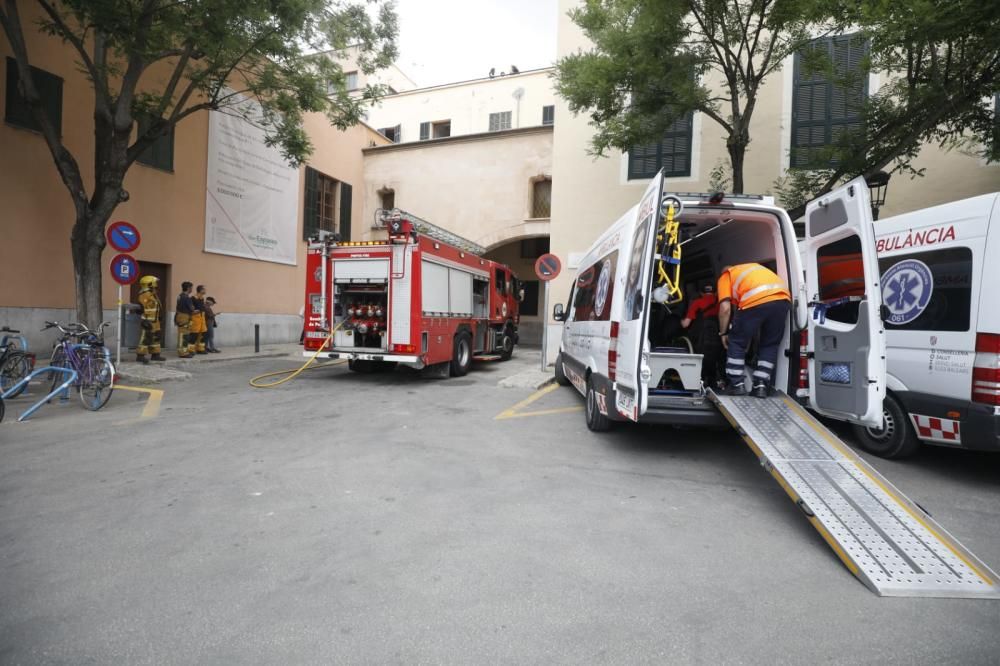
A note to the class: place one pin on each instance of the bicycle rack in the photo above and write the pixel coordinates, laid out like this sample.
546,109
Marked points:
62,387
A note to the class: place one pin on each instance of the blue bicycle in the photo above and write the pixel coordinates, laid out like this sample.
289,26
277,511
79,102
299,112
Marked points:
83,350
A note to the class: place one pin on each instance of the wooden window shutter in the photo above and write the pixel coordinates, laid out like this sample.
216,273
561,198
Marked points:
345,211
310,208
672,153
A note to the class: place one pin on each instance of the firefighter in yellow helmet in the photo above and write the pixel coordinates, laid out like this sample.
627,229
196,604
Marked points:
149,338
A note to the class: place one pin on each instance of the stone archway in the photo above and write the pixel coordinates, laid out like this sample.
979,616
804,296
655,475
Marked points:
519,247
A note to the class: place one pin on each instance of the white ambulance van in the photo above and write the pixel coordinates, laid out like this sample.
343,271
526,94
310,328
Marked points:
619,349
940,273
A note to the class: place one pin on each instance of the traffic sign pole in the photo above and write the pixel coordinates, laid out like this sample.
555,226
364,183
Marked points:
545,329
547,268
118,353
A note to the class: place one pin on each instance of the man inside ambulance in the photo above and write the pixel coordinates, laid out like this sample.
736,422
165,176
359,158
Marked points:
752,298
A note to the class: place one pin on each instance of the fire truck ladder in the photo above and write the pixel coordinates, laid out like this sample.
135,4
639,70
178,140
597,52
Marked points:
887,541
426,228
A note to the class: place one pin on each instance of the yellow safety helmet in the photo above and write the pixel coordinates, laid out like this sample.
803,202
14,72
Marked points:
149,282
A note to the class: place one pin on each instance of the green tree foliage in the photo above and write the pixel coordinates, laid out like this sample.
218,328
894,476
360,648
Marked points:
654,61
939,63
170,59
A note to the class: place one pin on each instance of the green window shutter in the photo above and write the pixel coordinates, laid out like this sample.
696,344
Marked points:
18,112
823,111
425,131
310,207
345,211
994,152
672,153
161,154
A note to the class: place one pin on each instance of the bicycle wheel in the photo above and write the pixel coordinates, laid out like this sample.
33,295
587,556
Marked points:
57,360
96,382
15,368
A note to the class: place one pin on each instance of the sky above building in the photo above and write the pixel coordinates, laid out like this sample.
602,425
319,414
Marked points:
442,41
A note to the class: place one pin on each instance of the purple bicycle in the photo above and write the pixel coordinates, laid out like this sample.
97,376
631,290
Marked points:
83,350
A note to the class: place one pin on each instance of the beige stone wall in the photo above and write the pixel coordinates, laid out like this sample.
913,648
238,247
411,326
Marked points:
590,194
467,104
168,207
477,186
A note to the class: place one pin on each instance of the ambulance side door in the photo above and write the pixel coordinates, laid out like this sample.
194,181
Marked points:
632,369
847,358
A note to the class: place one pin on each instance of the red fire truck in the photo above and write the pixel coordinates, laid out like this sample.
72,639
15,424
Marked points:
424,297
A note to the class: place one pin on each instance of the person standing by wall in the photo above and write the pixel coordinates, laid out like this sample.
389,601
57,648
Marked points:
149,338
210,326
182,318
196,340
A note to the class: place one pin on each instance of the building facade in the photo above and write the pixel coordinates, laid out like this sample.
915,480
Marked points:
589,194
168,192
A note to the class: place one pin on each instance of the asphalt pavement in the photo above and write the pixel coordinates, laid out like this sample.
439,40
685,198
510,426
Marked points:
346,518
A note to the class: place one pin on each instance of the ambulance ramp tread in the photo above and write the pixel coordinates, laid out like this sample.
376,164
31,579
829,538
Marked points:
886,540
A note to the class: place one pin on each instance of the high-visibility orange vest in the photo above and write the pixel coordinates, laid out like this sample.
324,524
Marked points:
750,285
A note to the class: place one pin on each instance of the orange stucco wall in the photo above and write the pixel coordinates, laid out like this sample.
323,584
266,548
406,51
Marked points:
168,207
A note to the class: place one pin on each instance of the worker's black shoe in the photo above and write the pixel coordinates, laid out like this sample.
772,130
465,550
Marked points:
141,358
157,358
736,389
761,391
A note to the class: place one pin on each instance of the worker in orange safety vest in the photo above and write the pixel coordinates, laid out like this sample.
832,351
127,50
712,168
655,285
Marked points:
752,298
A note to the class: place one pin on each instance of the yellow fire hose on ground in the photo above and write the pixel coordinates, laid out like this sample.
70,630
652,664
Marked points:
292,374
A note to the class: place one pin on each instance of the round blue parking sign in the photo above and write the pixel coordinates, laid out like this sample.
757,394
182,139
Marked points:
124,269
906,290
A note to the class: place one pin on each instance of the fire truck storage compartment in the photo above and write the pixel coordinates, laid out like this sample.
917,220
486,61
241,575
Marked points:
675,360
446,291
361,298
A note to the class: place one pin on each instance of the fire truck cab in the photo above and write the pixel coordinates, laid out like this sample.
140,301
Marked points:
424,297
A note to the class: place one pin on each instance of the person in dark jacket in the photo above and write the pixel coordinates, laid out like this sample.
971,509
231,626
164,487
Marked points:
210,324
182,318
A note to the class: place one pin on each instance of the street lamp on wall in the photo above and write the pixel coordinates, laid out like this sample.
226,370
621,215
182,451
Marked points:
878,183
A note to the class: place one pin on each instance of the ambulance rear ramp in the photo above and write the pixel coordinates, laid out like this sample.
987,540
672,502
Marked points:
885,540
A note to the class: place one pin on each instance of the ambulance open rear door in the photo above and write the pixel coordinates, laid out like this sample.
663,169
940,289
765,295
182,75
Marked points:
846,346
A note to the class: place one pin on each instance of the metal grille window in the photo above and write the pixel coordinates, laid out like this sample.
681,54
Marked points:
823,110
500,121
351,80
541,198
672,153
160,155
425,131
548,114
17,111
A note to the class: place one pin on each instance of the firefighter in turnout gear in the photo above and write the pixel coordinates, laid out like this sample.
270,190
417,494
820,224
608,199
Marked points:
752,298
196,339
182,318
149,338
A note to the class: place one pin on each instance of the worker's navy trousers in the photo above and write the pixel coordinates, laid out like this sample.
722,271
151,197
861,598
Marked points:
769,319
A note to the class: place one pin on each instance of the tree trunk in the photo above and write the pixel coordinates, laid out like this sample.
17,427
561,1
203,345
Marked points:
737,149
87,243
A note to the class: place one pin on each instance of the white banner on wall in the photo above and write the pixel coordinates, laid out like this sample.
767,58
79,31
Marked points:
251,207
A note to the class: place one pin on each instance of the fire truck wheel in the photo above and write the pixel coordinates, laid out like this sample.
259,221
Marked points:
507,344
461,357
595,420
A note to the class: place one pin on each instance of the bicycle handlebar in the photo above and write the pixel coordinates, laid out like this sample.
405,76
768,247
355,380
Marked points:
7,329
